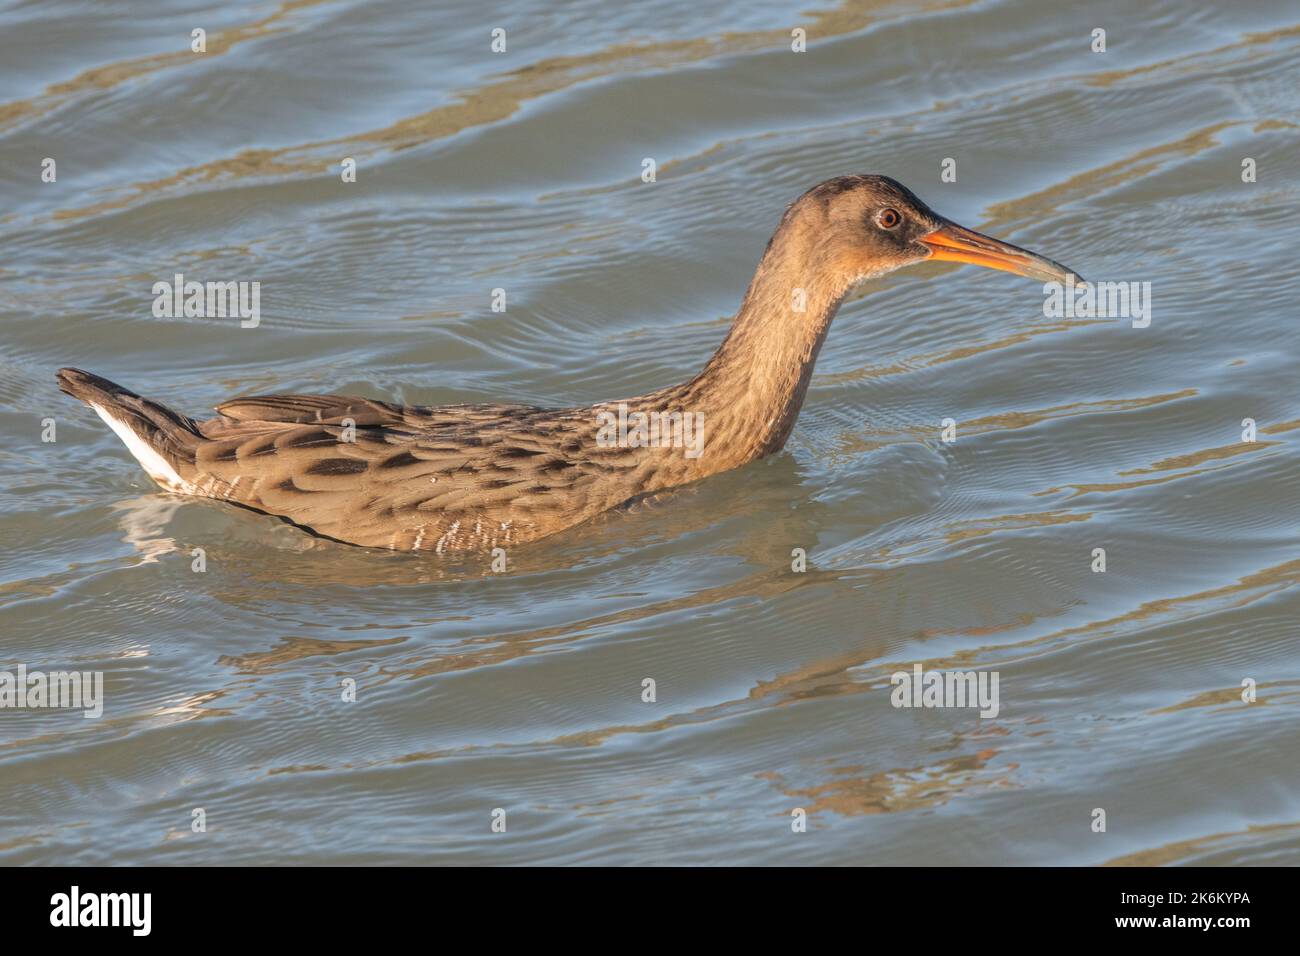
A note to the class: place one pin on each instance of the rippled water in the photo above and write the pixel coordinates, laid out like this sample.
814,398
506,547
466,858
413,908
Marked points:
522,691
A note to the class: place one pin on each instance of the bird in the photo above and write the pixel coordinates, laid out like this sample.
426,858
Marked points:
454,479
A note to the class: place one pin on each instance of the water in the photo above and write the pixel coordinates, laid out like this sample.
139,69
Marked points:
522,691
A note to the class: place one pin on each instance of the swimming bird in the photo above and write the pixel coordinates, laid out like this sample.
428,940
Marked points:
464,478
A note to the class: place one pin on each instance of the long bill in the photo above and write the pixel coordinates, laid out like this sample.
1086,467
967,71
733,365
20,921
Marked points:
954,243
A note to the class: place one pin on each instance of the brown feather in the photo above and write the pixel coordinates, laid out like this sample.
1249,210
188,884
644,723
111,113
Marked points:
476,477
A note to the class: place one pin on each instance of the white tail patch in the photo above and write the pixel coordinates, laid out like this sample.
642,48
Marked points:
153,463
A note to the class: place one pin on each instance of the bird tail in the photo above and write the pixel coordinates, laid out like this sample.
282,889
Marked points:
162,440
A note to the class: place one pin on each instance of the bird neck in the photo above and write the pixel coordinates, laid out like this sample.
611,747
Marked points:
752,388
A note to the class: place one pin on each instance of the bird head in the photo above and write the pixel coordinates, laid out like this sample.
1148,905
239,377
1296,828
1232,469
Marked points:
868,226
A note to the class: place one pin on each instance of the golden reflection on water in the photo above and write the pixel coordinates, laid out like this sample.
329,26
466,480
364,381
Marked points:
858,791
291,650
1184,850
1195,63
957,354
109,76
1184,464
1011,421
491,103
1228,699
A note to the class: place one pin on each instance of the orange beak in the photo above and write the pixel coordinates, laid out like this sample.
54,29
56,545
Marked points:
954,243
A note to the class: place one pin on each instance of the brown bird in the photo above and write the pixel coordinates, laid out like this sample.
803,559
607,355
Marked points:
475,477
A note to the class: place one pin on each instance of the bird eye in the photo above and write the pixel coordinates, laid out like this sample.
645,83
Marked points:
889,218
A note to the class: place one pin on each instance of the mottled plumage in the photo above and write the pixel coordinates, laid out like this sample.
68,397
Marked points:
475,477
